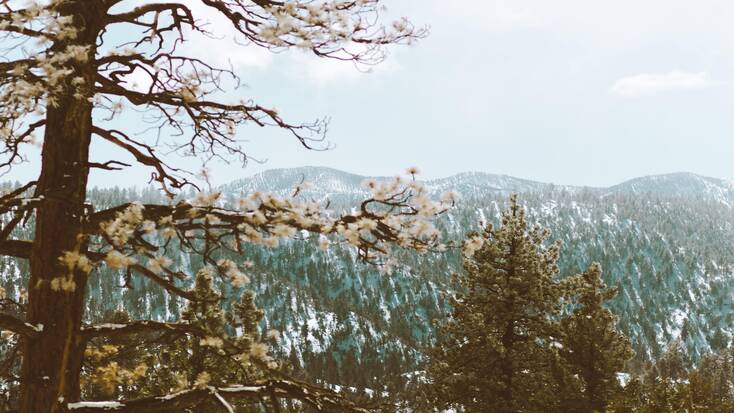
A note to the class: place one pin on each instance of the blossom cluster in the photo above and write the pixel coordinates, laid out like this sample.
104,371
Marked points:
399,211
260,352
34,75
43,72
42,19
328,27
109,376
233,273
472,245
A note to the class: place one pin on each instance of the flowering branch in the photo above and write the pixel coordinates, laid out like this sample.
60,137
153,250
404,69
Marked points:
58,83
399,213
327,30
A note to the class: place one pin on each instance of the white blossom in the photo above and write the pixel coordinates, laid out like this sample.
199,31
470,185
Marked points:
118,260
472,245
74,260
202,380
273,335
324,244
158,263
260,351
215,342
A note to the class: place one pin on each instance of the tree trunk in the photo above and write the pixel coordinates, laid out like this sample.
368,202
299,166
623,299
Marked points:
508,338
52,360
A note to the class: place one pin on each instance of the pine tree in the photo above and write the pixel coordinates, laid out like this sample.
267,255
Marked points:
592,347
497,345
710,387
153,363
660,388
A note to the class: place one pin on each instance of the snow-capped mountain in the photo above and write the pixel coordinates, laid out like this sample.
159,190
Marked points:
681,184
667,243
327,182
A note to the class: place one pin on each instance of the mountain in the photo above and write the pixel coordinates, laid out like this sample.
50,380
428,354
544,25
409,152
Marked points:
681,184
327,182
666,242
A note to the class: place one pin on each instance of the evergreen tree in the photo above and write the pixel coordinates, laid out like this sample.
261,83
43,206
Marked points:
152,363
661,388
711,385
592,347
498,341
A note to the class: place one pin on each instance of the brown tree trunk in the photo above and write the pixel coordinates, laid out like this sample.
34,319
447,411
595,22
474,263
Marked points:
52,360
508,340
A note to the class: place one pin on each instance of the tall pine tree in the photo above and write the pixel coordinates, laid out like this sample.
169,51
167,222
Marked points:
592,347
499,341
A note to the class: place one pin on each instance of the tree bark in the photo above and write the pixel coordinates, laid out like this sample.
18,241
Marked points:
52,359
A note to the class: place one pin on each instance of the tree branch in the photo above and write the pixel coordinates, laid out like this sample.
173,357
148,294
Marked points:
167,285
16,248
164,173
320,399
18,326
143,326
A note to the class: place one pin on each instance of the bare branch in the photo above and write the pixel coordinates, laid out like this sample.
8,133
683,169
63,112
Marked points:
109,165
11,323
211,121
167,285
320,399
16,248
164,174
136,327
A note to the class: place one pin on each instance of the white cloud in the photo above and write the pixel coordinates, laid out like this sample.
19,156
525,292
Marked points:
649,84
223,50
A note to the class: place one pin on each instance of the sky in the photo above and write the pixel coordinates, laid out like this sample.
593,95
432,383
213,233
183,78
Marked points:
580,92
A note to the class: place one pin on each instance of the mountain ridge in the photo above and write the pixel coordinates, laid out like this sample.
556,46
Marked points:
338,182
664,241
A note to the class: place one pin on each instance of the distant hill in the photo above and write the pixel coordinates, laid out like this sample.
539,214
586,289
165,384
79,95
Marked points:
681,184
335,183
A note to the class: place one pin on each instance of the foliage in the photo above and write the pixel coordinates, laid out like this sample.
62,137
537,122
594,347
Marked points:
501,337
670,385
592,347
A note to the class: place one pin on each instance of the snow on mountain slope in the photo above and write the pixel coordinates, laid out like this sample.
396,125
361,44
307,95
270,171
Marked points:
326,181
681,184
667,243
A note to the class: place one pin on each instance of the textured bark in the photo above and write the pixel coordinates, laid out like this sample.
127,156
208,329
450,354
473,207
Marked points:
52,359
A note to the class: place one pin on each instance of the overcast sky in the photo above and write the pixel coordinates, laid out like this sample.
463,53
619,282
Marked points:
567,91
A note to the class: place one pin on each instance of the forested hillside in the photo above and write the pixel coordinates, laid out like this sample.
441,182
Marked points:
664,241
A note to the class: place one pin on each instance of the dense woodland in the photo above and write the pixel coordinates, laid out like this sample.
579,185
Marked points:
345,324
